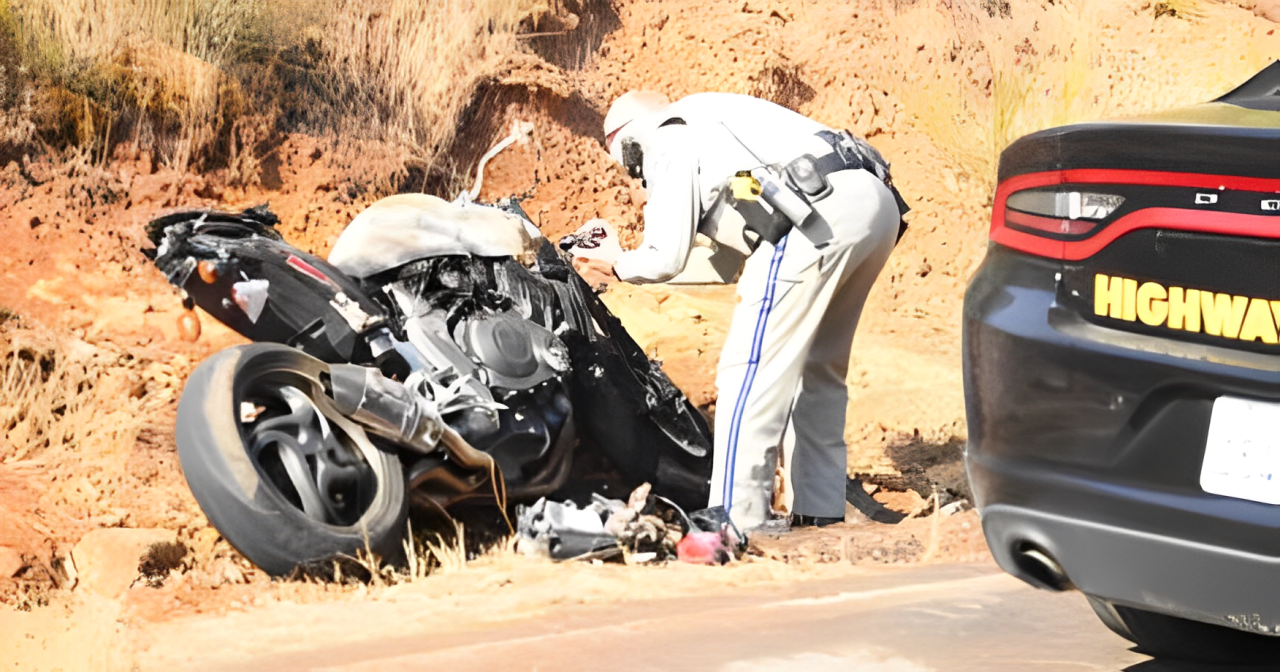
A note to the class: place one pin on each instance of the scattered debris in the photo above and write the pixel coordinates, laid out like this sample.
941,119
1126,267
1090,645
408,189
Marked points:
645,528
649,528
703,548
565,532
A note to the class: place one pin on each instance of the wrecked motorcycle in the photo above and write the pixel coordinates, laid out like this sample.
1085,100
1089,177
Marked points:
445,354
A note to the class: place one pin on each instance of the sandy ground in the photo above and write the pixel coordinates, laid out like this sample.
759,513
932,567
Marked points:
938,87
977,619
153,627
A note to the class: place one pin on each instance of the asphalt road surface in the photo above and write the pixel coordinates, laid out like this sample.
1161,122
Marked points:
952,618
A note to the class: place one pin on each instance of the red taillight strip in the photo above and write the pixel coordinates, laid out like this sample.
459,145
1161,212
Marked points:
307,269
1206,221
1056,226
1230,223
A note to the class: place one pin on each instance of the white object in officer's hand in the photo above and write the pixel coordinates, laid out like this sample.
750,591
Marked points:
597,239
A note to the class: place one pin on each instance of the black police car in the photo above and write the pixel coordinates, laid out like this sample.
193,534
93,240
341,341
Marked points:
1122,372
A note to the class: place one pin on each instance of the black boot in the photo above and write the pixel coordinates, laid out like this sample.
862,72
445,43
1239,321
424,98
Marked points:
798,520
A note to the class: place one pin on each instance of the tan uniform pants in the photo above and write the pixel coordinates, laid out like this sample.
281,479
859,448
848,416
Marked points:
787,356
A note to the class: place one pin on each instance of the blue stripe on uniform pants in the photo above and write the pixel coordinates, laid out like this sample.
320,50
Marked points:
753,363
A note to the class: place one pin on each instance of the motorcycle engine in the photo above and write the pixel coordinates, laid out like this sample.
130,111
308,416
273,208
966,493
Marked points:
522,363
506,374
515,354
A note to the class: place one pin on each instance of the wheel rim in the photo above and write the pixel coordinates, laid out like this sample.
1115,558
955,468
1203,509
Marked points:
307,460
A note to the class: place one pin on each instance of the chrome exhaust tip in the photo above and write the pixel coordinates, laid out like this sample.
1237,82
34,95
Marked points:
1039,568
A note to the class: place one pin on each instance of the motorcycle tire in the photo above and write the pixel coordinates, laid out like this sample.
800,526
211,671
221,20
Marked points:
288,481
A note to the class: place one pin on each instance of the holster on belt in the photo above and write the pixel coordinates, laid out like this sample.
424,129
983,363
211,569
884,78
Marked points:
850,152
806,178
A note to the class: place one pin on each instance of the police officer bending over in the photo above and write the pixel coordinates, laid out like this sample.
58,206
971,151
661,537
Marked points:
816,214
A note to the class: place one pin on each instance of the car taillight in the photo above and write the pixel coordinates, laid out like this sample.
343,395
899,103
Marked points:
1073,214
1047,213
1056,213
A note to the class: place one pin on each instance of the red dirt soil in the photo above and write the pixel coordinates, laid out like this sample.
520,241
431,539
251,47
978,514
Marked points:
83,293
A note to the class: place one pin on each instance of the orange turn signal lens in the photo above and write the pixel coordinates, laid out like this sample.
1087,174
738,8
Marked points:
208,271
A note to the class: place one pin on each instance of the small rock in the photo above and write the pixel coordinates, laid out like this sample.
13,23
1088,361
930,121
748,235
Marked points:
11,562
79,351
954,507
107,559
203,542
107,520
224,571
950,182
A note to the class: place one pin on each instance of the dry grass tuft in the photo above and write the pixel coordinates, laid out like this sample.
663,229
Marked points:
70,33
160,559
425,555
130,70
404,71
977,79
48,399
449,552
206,83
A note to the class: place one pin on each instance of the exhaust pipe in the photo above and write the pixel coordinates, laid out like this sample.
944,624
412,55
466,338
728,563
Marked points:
1039,568
386,407
389,408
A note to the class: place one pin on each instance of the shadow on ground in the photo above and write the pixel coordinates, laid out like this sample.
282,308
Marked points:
1190,666
923,465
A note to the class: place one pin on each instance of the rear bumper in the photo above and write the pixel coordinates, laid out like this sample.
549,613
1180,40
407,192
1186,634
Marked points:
1173,576
1087,442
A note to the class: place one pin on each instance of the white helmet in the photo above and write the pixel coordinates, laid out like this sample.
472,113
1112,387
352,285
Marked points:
627,108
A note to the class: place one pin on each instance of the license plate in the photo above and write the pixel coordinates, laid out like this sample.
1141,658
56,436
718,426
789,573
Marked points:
1242,453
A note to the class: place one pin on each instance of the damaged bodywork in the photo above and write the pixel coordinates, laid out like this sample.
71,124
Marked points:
464,377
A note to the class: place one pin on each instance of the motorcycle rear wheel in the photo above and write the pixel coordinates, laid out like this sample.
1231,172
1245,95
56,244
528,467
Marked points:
288,481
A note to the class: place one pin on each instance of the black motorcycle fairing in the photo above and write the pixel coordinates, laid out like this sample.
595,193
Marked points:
308,303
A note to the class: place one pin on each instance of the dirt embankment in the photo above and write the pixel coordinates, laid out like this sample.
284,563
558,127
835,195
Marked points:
93,364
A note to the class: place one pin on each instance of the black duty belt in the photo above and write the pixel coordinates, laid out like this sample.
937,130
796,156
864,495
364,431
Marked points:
849,152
